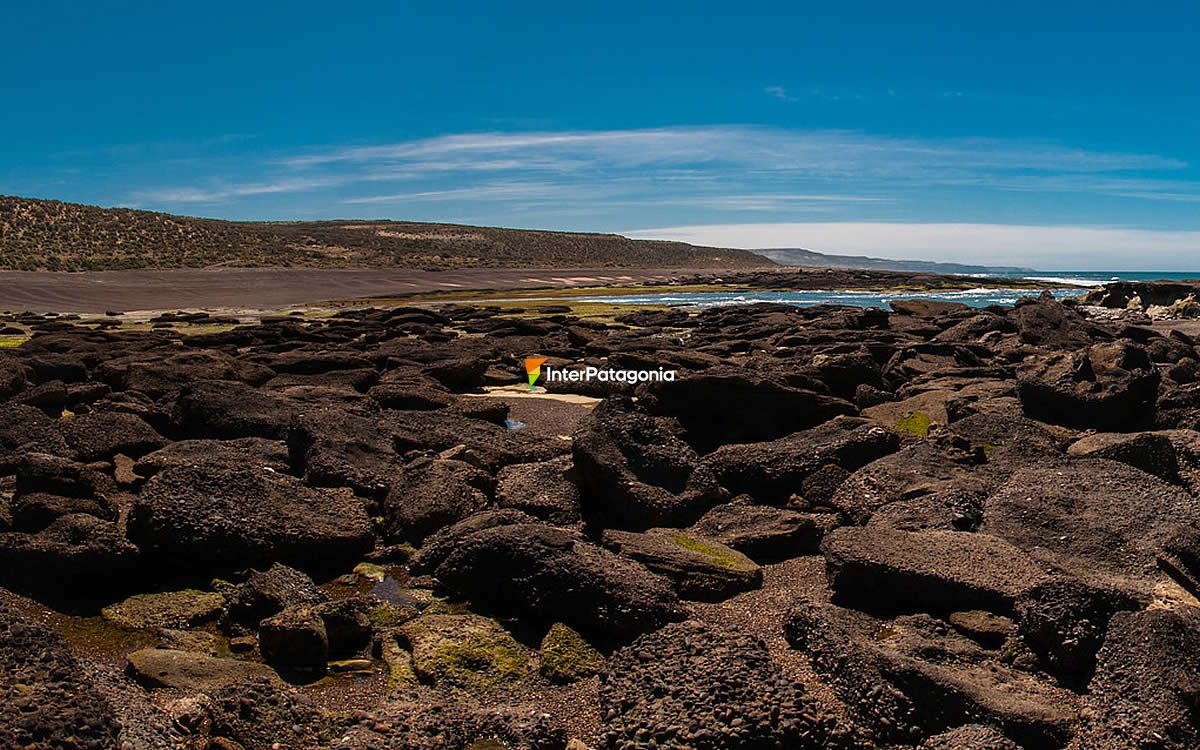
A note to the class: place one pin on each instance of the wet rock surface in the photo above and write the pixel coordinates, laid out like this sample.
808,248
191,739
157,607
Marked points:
929,527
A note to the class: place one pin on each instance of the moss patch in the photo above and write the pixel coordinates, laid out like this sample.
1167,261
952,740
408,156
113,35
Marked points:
567,656
171,609
465,652
917,423
9,342
718,555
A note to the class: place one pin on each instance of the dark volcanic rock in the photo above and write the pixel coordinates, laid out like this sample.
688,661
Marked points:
294,639
770,472
547,575
89,553
733,406
337,448
1111,386
547,490
190,671
764,533
224,409
938,571
266,593
45,701
1064,620
222,518
949,510
698,686
259,712
102,435
1051,325
1147,683
434,494
255,452
700,568
403,725
1151,452
635,469
913,677
1092,518
970,737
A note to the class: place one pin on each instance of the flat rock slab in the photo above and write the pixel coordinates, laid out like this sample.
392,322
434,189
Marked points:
191,671
1147,683
909,678
208,517
700,568
169,609
940,571
764,533
1093,518
467,652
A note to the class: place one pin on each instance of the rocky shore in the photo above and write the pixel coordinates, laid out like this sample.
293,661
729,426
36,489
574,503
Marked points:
932,527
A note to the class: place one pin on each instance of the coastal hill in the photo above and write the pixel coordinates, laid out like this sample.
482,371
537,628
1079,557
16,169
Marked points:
40,235
801,257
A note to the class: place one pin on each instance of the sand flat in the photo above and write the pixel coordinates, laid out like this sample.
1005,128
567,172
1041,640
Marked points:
273,288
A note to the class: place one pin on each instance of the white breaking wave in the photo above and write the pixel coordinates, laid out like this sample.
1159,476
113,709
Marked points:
1069,280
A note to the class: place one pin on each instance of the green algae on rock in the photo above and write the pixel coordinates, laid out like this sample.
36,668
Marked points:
467,652
566,656
168,609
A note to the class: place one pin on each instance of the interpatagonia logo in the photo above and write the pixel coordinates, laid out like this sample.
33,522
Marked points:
533,369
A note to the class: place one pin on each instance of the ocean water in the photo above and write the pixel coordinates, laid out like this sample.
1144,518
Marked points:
1101,277
982,296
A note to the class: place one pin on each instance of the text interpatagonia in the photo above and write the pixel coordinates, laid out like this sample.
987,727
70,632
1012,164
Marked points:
590,372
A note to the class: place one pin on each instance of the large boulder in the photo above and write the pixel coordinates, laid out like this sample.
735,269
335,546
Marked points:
422,725
337,448
1064,620
467,652
730,405
294,639
228,409
257,452
938,571
1151,452
700,568
1092,518
45,700
700,686
908,679
1147,683
547,490
432,494
99,436
771,472
268,592
76,558
636,471
157,375
545,575
1110,386
191,671
210,518
1052,325
764,533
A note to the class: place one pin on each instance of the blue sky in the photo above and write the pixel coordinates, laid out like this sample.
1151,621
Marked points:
1060,135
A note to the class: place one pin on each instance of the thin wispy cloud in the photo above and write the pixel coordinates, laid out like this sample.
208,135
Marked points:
1062,247
224,193
780,93
681,176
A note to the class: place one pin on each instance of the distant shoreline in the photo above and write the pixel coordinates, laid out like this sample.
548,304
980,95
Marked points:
98,292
